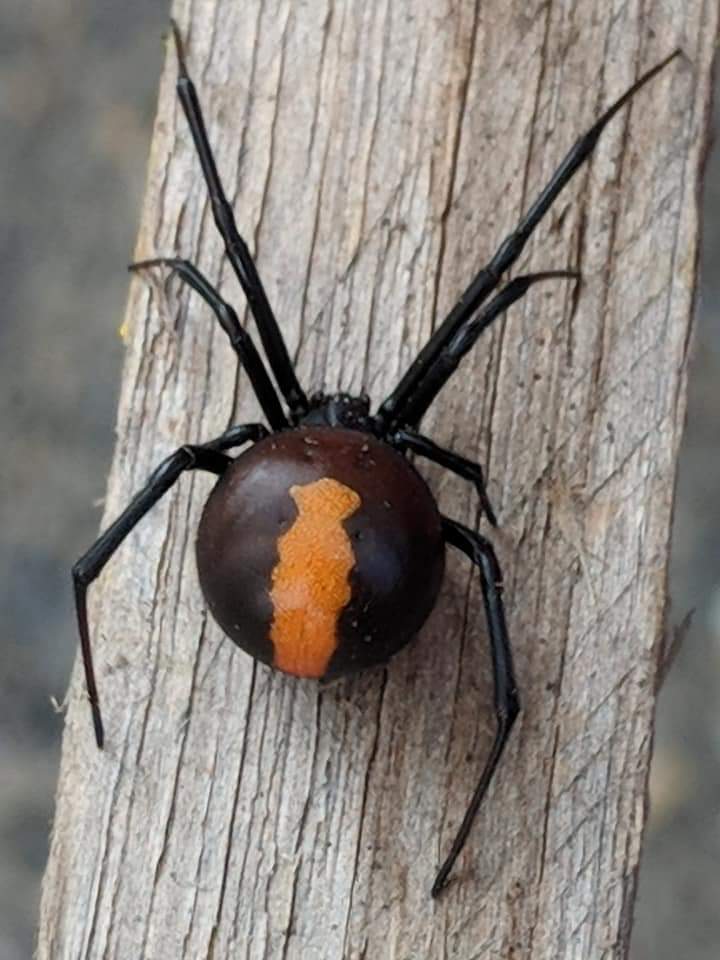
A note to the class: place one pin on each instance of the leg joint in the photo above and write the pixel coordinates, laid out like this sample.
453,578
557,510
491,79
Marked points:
511,708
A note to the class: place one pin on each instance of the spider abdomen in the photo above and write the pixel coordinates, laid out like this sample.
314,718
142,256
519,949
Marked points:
320,551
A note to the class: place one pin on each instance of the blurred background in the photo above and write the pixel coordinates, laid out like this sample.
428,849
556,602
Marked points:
78,87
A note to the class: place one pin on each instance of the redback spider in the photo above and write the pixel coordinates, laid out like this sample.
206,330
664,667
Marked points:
321,549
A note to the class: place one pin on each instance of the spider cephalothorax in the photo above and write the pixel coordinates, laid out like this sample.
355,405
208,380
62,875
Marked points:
321,549
340,410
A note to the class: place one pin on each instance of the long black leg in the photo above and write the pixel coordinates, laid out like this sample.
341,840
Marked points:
450,356
237,250
507,253
209,457
507,704
239,338
424,447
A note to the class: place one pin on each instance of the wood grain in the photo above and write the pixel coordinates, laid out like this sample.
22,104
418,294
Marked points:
376,155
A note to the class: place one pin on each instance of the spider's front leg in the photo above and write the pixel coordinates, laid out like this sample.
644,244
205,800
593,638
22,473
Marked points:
207,456
507,703
235,247
395,407
404,439
240,339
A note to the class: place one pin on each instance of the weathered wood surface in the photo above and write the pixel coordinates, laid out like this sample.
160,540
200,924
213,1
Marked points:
376,154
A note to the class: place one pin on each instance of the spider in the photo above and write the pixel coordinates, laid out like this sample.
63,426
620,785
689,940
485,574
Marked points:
321,549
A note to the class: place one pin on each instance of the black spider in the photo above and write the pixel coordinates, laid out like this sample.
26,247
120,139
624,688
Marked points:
321,550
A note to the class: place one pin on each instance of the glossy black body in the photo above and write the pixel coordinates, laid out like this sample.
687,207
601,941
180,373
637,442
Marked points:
396,536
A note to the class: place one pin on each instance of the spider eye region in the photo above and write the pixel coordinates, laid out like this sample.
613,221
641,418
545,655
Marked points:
320,551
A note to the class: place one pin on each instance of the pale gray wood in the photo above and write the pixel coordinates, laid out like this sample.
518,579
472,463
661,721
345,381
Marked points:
376,153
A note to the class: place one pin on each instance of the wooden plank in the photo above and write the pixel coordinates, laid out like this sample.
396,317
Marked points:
376,155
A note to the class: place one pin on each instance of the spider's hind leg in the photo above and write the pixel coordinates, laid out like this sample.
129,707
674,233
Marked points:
507,703
424,447
206,456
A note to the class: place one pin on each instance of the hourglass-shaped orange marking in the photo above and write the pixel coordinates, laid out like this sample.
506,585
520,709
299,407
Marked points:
310,582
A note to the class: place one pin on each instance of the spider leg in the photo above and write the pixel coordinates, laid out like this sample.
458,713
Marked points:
240,339
507,253
447,361
424,447
236,248
507,705
207,456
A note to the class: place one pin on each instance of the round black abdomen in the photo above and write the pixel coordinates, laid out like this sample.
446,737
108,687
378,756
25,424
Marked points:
393,535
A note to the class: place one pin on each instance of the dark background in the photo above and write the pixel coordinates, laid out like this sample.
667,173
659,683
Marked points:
77,98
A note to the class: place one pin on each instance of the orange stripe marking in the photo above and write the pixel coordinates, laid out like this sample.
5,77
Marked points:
310,582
